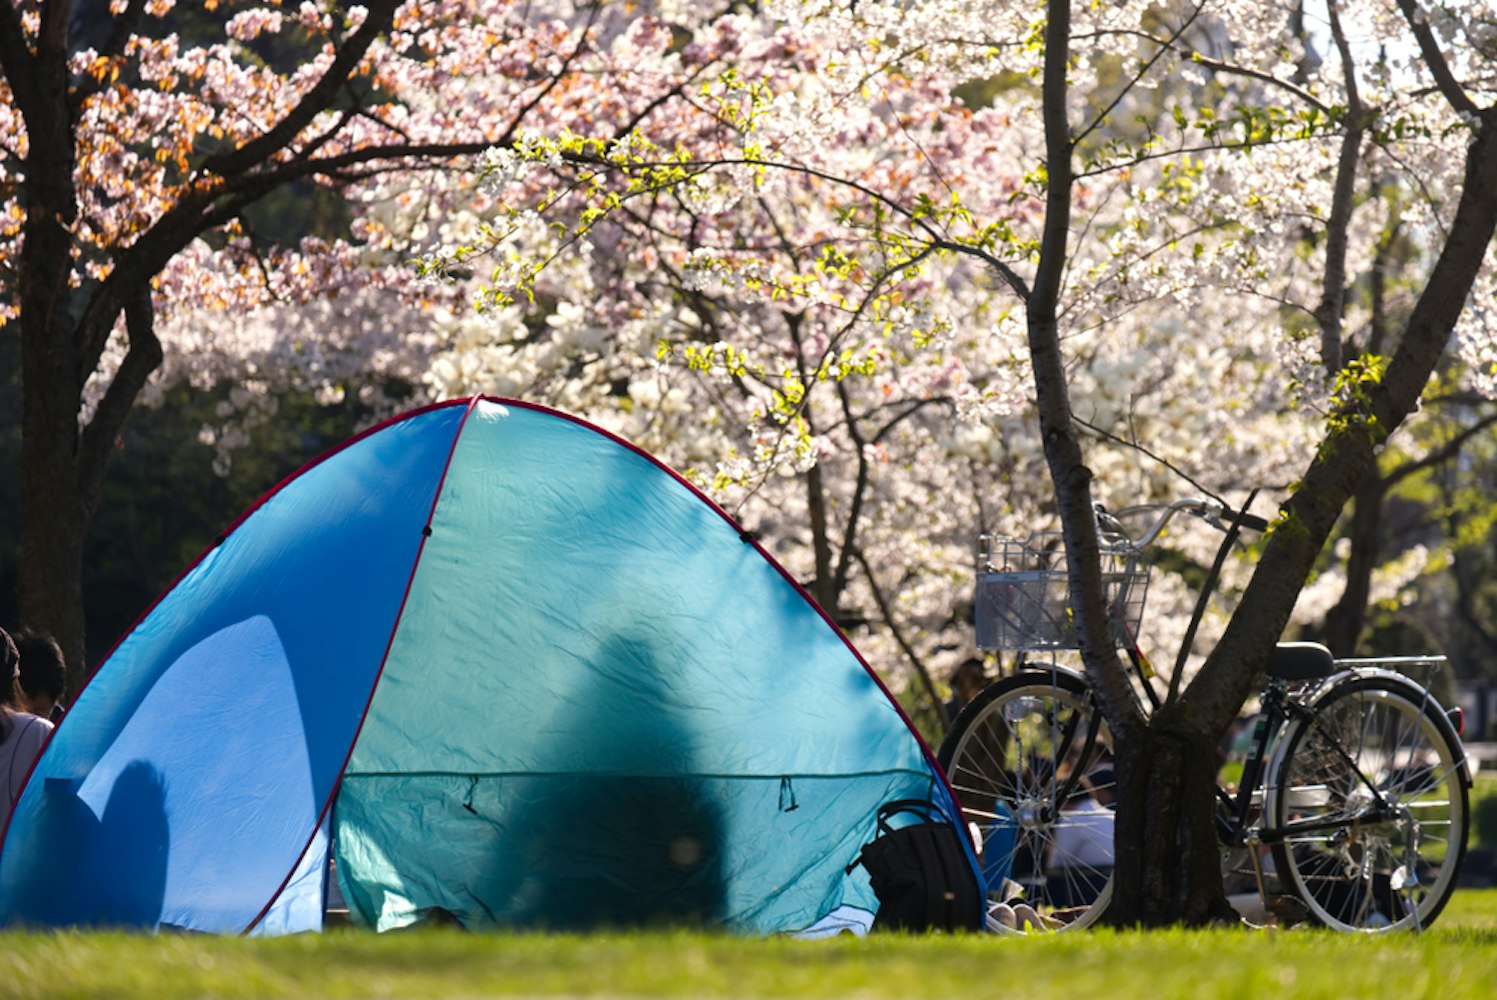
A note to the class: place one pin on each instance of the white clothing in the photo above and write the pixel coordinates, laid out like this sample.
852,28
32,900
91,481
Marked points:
24,740
1083,837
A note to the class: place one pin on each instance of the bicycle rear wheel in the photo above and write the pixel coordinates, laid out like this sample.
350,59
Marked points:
1030,761
1370,802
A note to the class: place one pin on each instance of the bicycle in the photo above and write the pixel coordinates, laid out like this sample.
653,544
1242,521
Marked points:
1355,780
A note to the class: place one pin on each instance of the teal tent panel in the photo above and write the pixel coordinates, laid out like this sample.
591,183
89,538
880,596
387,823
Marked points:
589,644
577,852
187,781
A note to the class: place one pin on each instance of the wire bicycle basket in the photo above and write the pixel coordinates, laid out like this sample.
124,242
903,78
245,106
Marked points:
1023,592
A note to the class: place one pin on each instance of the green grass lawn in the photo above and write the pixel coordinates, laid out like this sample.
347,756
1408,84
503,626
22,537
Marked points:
1456,959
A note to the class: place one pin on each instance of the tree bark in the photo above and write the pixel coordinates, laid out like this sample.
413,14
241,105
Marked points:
1168,866
1344,622
1348,451
53,515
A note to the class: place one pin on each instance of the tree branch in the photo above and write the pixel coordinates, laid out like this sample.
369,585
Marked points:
514,124
1232,69
124,26
144,356
859,490
1450,449
1333,474
936,241
1141,449
887,614
1328,314
1434,59
1160,49
381,14
17,62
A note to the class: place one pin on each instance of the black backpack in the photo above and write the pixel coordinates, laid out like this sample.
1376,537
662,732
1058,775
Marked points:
920,873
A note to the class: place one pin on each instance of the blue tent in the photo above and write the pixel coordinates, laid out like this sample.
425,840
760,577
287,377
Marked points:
519,672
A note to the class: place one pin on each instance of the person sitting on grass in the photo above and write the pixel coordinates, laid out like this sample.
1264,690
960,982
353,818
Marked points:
22,735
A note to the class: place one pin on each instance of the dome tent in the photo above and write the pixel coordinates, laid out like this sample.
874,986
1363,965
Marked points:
513,667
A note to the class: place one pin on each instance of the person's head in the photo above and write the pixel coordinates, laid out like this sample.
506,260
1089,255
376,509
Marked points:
43,674
968,680
10,671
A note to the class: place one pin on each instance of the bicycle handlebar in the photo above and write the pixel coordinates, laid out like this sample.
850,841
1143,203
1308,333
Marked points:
1213,512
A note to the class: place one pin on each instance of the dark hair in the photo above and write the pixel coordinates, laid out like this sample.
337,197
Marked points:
9,663
973,668
43,668
8,655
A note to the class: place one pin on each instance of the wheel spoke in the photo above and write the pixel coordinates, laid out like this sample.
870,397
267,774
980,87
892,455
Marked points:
1016,758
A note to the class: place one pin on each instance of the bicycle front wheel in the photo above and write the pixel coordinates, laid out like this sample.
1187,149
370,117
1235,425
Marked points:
1030,760
1369,811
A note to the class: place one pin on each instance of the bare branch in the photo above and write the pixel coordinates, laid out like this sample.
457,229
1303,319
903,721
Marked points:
551,84
1447,451
1221,66
124,26
17,62
936,240
1434,59
1160,49
1152,456
887,614
143,357
1182,151
1328,313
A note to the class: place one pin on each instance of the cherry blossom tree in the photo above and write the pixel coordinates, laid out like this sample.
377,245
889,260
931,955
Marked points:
130,166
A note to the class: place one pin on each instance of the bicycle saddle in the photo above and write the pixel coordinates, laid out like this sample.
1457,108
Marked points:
1301,661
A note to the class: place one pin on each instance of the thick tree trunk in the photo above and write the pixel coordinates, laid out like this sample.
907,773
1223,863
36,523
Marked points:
1168,858
54,522
1169,866
1168,863
53,512
1346,457
64,330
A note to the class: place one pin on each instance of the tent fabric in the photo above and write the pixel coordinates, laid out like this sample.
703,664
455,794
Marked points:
523,674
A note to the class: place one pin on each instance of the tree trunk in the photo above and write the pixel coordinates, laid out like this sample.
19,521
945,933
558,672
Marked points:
64,330
1168,866
54,512
1344,622
1168,861
1168,858
1347,455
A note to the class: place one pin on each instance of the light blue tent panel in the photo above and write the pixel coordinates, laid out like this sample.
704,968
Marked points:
187,780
